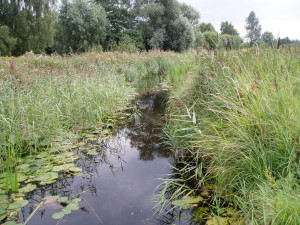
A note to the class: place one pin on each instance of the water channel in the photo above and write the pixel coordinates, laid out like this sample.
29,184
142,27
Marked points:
118,182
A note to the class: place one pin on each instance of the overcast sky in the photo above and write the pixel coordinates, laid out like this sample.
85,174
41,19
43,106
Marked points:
274,15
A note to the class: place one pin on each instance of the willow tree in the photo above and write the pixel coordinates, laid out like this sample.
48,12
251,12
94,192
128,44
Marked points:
81,26
165,26
30,22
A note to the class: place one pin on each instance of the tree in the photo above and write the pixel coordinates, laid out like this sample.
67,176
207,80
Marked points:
81,26
204,27
212,39
230,41
30,22
228,28
253,28
268,38
190,13
121,16
164,26
7,43
199,40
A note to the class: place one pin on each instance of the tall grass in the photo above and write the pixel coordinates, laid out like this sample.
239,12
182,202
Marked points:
246,129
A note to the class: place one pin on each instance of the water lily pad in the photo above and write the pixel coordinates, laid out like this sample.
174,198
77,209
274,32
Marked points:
74,169
62,167
92,152
27,188
47,182
2,210
66,211
47,176
17,205
23,167
3,197
3,216
63,199
58,215
4,206
51,197
76,200
22,177
72,206
10,223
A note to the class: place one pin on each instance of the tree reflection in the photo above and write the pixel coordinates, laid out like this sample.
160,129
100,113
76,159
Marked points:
144,130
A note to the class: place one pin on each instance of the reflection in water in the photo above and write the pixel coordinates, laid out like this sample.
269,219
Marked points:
118,181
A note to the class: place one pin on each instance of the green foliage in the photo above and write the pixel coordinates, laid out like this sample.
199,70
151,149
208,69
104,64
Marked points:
190,13
268,38
199,40
164,26
238,124
204,27
81,26
125,44
253,28
7,43
211,39
122,20
230,41
228,28
31,24
180,35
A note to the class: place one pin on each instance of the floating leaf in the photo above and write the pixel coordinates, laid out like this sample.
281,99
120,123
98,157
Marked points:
47,176
74,169
76,200
66,211
10,223
92,152
22,177
62,167
51,197
27,188
4,206
3,197
3,216
187,202
58,215
63,199
72,206
17,205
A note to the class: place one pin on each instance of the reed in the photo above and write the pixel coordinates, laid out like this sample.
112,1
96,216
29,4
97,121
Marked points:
243,123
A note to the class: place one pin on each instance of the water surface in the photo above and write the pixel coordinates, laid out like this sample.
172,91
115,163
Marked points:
119,181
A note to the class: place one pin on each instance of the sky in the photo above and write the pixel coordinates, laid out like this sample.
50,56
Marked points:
281,17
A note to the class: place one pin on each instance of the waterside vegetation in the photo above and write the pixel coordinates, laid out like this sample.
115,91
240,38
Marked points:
235,126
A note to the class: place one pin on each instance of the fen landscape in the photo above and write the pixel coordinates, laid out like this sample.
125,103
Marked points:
137,112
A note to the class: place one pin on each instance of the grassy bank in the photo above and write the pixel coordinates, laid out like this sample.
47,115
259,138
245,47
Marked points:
236,124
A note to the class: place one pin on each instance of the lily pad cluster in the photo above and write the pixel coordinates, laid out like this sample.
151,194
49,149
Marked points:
34,170
9,206
68,206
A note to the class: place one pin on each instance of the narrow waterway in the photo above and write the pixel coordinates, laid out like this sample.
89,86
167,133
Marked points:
119,179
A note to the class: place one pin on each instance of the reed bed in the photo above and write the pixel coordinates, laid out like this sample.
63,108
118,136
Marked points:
236,123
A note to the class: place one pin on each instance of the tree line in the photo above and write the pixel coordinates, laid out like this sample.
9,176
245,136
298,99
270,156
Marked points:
74,26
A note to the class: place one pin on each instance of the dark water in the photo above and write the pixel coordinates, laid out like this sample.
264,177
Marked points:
118,183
